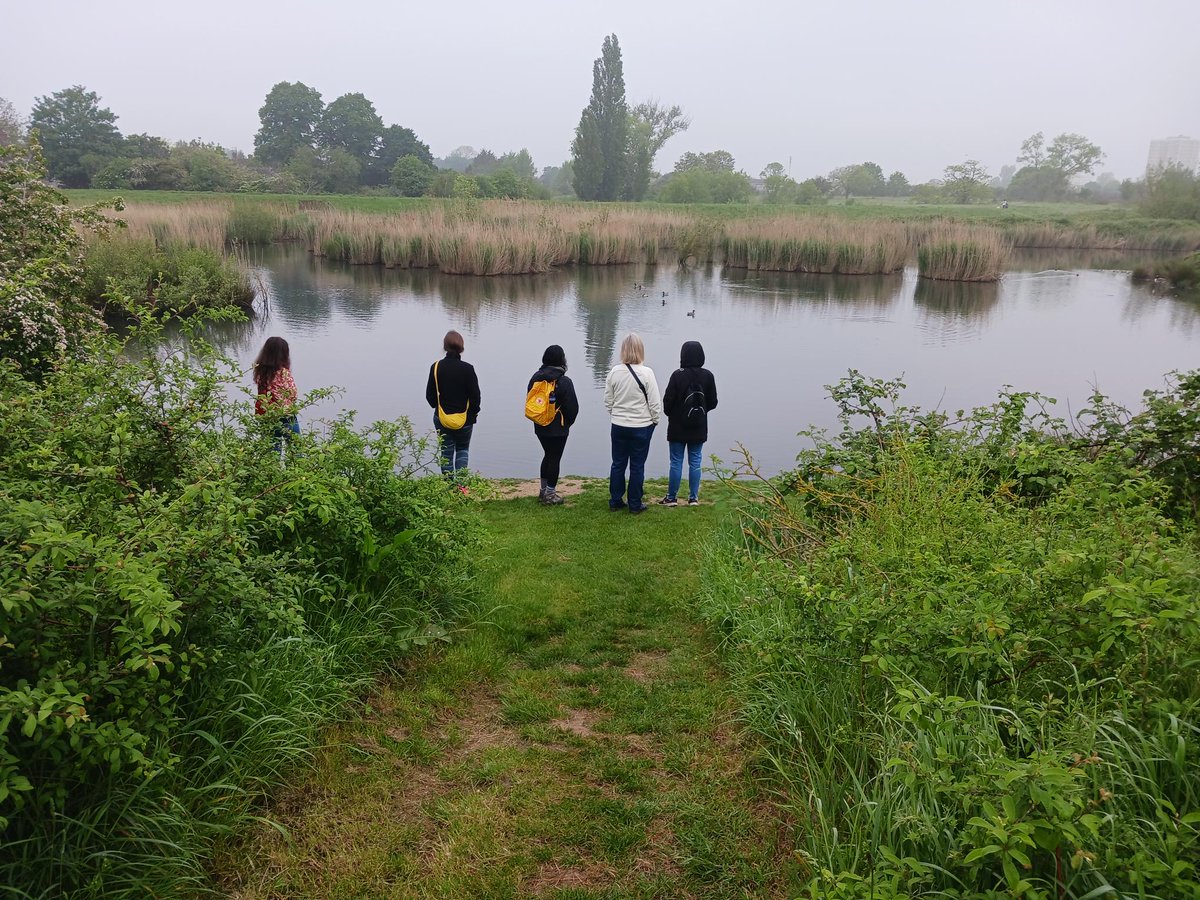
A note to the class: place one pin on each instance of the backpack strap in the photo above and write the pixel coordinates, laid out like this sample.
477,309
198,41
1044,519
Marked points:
639,384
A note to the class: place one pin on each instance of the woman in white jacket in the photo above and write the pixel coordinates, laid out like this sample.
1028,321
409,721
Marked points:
632,400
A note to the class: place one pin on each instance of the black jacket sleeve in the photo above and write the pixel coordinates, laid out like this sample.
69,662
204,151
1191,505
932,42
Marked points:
568,403
671,396
711,393
473,396
431,390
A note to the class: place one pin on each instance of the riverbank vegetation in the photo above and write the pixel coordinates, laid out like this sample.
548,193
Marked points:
489,237
969,647
962,253
181,610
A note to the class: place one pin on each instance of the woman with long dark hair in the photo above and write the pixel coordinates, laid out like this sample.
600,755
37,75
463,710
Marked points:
276,388
561,406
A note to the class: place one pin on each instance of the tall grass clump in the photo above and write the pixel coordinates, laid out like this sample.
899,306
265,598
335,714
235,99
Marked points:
970,651
823,245
954,252
182,606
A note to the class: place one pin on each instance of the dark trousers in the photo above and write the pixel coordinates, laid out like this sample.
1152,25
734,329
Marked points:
455,446
630,447
552,451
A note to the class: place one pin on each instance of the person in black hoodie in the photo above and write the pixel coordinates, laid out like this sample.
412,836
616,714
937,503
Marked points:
691,394
453,389
553,437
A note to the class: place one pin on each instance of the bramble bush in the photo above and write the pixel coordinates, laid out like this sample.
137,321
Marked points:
970,647
181,609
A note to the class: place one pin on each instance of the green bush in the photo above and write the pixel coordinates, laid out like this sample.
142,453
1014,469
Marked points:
971,650
179,612
170,278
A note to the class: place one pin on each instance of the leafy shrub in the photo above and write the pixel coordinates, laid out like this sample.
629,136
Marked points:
170,278
179,612
970,646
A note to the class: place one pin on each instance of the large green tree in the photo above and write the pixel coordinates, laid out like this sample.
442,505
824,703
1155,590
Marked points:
601,138
289,118
395,143
715,161
78,136
650,126
966,182
1073,154
351,124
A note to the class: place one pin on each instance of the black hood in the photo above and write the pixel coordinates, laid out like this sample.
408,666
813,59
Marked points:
691,355
549,373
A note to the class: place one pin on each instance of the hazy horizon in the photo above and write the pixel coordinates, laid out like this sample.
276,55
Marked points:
913,88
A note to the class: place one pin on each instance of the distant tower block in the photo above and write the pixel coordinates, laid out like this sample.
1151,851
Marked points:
1180,151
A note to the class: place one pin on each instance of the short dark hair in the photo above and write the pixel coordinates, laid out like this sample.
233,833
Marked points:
452,342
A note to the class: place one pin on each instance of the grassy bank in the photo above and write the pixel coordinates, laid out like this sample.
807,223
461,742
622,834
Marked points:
577,743
970,650
182,614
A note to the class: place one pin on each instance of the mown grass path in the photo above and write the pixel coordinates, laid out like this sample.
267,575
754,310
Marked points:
575,743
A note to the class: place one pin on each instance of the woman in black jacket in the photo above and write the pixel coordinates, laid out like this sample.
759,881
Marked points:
691,394
453,392
553,436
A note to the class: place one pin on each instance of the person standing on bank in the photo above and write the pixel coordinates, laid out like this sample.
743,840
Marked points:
453,393
691,394
632,400
564,405
276,388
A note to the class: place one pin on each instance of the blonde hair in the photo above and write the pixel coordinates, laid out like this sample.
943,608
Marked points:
633,351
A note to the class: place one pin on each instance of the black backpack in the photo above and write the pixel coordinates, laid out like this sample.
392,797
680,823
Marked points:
695,404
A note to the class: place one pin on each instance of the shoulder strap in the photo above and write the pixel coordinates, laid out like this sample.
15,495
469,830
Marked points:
437,390
639,384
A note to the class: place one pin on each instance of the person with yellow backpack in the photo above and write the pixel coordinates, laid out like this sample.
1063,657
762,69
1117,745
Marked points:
453,393
551,404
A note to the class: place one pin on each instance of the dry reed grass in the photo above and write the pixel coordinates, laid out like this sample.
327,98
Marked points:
817,245
952,251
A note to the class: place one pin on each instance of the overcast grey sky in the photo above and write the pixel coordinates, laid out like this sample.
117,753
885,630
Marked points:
912,86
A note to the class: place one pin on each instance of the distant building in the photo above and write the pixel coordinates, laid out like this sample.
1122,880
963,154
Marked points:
1174,151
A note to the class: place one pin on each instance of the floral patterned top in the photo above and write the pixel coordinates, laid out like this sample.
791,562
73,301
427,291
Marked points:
280,392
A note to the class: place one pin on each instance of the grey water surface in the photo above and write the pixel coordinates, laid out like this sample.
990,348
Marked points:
773,340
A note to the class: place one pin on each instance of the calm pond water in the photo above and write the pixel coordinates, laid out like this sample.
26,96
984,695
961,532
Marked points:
772,340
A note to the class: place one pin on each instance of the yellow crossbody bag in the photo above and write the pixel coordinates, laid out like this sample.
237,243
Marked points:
450,421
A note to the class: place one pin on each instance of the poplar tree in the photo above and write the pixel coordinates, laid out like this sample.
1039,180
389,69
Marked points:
601,139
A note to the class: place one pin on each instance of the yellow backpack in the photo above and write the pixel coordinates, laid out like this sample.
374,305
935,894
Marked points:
450,421
539,403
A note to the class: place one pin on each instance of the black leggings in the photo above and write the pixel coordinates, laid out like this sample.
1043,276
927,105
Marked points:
553,448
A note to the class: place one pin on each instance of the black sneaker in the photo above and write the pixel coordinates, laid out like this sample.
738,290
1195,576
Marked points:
616,507
638,509
668,501
693,502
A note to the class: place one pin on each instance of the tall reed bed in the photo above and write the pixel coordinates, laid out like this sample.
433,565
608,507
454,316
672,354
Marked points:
956,252
818,245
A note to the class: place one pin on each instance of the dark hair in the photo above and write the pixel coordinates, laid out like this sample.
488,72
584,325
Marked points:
273,356
554,356
452,342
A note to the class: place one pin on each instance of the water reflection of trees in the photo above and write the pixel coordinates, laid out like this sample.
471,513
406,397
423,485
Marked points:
1182,308
870,293
598,290
957,299
467,295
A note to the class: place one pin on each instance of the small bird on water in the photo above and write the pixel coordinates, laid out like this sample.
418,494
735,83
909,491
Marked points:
664,301
692,314
664,293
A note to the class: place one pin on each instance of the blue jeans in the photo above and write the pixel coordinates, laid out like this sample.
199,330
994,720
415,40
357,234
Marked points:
288,425
695,466
630,446
454,446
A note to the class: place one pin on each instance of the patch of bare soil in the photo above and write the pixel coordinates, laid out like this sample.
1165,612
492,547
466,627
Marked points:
646,667
567,487
553,876
579,722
